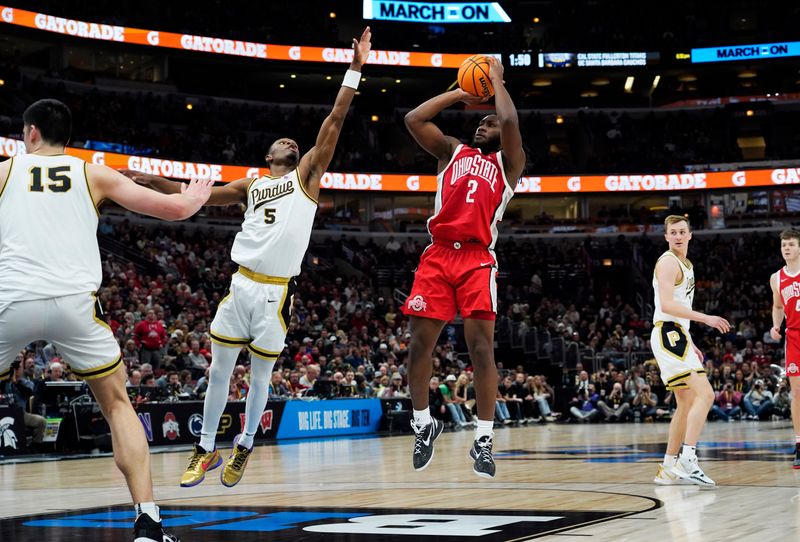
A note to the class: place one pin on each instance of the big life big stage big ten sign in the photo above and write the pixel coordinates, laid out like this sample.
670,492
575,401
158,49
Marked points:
436,12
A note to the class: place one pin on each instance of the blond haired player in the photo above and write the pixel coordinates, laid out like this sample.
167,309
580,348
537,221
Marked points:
785,285
50,271
269,250
679,360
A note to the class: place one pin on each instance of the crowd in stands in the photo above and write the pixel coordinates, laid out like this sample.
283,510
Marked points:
347,339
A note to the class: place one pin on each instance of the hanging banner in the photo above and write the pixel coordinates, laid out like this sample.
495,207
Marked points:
397,182
221,46
756,51
435,12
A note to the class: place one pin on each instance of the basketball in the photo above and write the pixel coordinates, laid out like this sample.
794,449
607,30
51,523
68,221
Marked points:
473,76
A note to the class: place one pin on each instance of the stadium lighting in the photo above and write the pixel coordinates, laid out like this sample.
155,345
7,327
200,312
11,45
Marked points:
749,113
656,80
383,90
397,81
629,84
559,119
2,82
363,79
332,14
374,118
293,76
536,20
328,77
282,85
189,107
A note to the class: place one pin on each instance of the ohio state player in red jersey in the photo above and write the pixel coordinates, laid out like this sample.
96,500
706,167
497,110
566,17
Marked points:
786,301
457,271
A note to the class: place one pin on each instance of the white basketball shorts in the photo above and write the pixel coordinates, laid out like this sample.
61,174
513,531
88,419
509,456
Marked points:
70,323
674,354
254,314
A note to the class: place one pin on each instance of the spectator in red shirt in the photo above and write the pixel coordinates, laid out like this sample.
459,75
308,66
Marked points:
151,337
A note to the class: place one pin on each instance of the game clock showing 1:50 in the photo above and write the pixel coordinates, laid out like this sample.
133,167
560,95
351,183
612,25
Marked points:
519,60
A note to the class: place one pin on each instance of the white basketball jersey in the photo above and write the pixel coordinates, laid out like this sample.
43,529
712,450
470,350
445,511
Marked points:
48,230
277,226
683,293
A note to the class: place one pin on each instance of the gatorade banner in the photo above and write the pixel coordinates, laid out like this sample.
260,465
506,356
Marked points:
207,44
395,182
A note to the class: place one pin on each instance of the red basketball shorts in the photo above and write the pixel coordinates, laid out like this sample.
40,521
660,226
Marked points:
453,277
792,352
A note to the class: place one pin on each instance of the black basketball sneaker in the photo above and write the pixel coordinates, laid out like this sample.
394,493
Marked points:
423,442
148,530
481,452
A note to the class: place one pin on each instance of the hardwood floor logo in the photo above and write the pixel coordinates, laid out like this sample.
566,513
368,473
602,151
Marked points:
247,524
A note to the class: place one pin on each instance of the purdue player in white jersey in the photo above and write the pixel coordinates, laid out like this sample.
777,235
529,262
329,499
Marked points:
269,250
679,360
50,271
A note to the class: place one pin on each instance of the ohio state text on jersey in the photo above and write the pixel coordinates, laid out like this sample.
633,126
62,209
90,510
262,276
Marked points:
471,197
789,288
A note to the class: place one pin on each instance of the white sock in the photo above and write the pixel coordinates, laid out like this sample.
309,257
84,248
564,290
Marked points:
223,360
484,429
148,508
670,460
797,439
689,452
257,396
422,417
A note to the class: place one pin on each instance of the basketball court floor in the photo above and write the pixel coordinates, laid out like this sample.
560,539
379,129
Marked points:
555,482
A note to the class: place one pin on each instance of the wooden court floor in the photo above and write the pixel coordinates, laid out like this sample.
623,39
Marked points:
555,482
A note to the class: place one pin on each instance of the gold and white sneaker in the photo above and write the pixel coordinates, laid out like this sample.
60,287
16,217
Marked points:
234,467
667,476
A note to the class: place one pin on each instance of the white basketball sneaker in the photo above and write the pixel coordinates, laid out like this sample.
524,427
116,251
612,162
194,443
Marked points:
689,470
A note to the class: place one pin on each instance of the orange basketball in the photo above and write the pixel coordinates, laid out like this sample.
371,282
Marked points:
473,76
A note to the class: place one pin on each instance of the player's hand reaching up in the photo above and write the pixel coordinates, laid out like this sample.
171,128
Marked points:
496,70
197,192
468,98
718,323
361,47
775,333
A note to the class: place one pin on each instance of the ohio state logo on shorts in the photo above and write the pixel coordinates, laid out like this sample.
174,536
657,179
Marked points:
792,369
417,303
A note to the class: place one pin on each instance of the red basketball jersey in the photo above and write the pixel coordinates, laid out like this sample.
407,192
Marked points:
471,197
789,288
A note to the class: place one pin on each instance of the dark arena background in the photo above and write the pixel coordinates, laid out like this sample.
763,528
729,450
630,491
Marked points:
628,111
